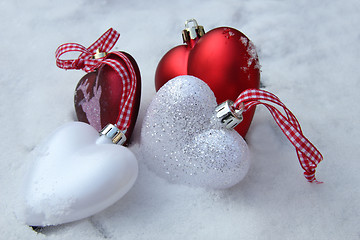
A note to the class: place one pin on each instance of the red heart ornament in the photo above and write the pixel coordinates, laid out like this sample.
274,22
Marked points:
98,94
224,58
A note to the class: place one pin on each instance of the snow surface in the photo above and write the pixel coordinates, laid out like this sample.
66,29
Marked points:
309,52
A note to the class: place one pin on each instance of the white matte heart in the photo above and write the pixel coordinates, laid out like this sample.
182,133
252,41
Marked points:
76,174
183,141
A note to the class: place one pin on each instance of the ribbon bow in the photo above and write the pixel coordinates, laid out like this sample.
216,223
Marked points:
88,63
85,61
309,157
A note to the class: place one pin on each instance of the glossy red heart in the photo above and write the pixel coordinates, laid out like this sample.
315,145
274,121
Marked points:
224,58
98,94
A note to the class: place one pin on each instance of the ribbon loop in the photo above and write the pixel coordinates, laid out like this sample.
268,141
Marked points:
86,62
309,157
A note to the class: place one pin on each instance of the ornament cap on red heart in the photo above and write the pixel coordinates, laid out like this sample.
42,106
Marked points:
224,58
192,34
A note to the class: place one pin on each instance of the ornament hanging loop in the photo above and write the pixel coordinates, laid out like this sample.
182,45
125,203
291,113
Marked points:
193,32
229,116
99,54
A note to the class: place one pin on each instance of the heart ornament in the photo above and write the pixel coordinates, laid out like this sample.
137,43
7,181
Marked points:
110,89
76,174
98,93
183,141
224,58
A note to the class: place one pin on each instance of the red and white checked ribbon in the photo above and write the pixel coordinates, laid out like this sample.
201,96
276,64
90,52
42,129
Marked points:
128,93
86,62
309,157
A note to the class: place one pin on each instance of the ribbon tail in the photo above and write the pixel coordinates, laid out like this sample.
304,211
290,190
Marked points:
309,157
128,91
310,177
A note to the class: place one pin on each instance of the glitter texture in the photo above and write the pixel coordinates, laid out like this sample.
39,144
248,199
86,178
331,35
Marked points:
91,105
183,141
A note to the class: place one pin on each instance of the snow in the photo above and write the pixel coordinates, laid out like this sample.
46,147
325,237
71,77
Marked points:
309,53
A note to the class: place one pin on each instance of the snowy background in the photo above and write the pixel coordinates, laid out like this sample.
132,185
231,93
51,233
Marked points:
309,52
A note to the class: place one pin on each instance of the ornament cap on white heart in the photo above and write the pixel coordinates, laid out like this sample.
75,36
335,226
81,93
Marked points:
112,132
228,115
76,174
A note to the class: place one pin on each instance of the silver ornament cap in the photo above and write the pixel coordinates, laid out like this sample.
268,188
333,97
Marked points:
195,31
112,132
229,116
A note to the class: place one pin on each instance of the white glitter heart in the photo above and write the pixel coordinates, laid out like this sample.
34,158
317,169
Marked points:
183,141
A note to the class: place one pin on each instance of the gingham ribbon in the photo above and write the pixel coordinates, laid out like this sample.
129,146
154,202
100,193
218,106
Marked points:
128,93
309,157
86,62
